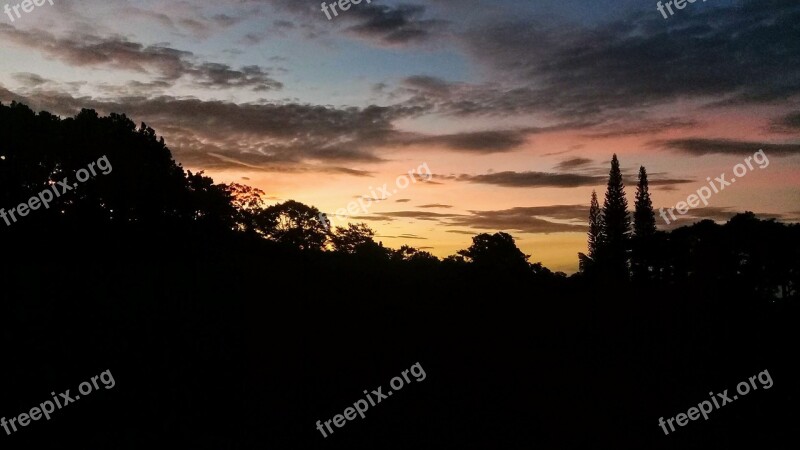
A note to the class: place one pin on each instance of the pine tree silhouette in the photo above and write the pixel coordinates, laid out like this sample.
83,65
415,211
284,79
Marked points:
596,227
644,218
644,228
617,225
596,233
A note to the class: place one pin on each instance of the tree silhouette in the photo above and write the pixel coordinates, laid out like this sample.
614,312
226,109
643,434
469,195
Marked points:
296,225
644,228
354,239
644,219
496,252
617,225
248,202
595,236
410,254
211,204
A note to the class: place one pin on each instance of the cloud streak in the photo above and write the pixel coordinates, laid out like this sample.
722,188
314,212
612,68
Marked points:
166,63
701,146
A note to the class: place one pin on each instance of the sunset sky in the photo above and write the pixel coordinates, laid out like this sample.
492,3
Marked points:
515,106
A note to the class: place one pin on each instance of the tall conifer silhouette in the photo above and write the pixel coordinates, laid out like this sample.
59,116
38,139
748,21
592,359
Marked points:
617,225
588,263
596,230
644,219
644,228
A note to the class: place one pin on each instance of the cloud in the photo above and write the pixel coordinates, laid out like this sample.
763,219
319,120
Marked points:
658,179
419,215
484,142
435,205
639,126
471,233
537,219
117,52
789,123
30,79
380,24
219,76
403,236
573,163
225,21
393,25
270,137
701,146
590,176
182,18
591,70
532,179
427,84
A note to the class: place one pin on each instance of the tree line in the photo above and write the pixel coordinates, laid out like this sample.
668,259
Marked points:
760,256
149,190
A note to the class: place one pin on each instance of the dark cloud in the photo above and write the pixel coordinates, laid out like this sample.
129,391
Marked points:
403,236
401,24
159,18
403,200
412,236
435,205
419,215
664,183
225,21
637,127
573,163
534,219
593,176
483,142
381,24
538,219
562,151
117,52
533,179
428,84
634,63
372,199
196,23
543,219
30,79
284,24
789,123
700,146
272,137
263,135
197,27
217,76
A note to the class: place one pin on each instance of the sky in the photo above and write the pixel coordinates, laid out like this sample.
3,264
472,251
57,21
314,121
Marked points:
514,108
